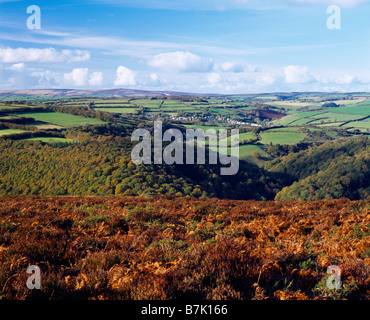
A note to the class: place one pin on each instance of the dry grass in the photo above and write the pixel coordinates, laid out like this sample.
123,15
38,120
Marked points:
167,248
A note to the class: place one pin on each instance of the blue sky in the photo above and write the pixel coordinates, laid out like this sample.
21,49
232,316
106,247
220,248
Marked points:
208,46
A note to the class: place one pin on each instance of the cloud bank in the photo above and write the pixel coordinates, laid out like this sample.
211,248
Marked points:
47,55
181,61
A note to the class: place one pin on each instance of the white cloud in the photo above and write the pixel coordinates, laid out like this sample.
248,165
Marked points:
47,55
229,66
96,79
297,74
125,77
214,78
180,61
346,79
78,77
249,81
46,78
16,67
153,77
265,79
154,80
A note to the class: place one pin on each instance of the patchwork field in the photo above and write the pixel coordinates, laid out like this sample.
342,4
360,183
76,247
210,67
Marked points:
60,119
50,139
118,110
363,109
330,117
302,111
282,137
132,106
361,125
4,132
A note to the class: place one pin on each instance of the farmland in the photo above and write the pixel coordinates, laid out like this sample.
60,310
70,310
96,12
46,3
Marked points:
60,119
50,139
281,121
4,132
282,137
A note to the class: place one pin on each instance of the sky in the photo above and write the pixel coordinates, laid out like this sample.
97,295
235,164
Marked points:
199,46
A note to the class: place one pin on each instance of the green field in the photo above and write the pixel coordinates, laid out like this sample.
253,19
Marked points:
331,116
297,118
118,110
60,119
331,124
283,129
222,111
50,139
358,124
146,102
205,128
246,136
110,101
247,150
282,137
112,105
337,117
4,132
363,109
242,136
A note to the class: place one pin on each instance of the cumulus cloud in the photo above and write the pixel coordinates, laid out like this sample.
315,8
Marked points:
346,79
180,61
229,66
297,74
47,55
16,67
265,79
96,79
46,78
214,78
153,77
125,77
78,77
154,80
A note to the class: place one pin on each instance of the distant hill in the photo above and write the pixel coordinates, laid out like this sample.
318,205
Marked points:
89,93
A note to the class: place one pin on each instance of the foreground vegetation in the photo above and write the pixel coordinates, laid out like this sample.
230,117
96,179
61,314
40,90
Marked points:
181,248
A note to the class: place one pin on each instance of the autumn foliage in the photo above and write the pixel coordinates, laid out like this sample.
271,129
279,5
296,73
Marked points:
182,248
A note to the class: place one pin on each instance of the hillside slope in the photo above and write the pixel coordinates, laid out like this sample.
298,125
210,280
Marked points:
104,167
182,248
333,170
